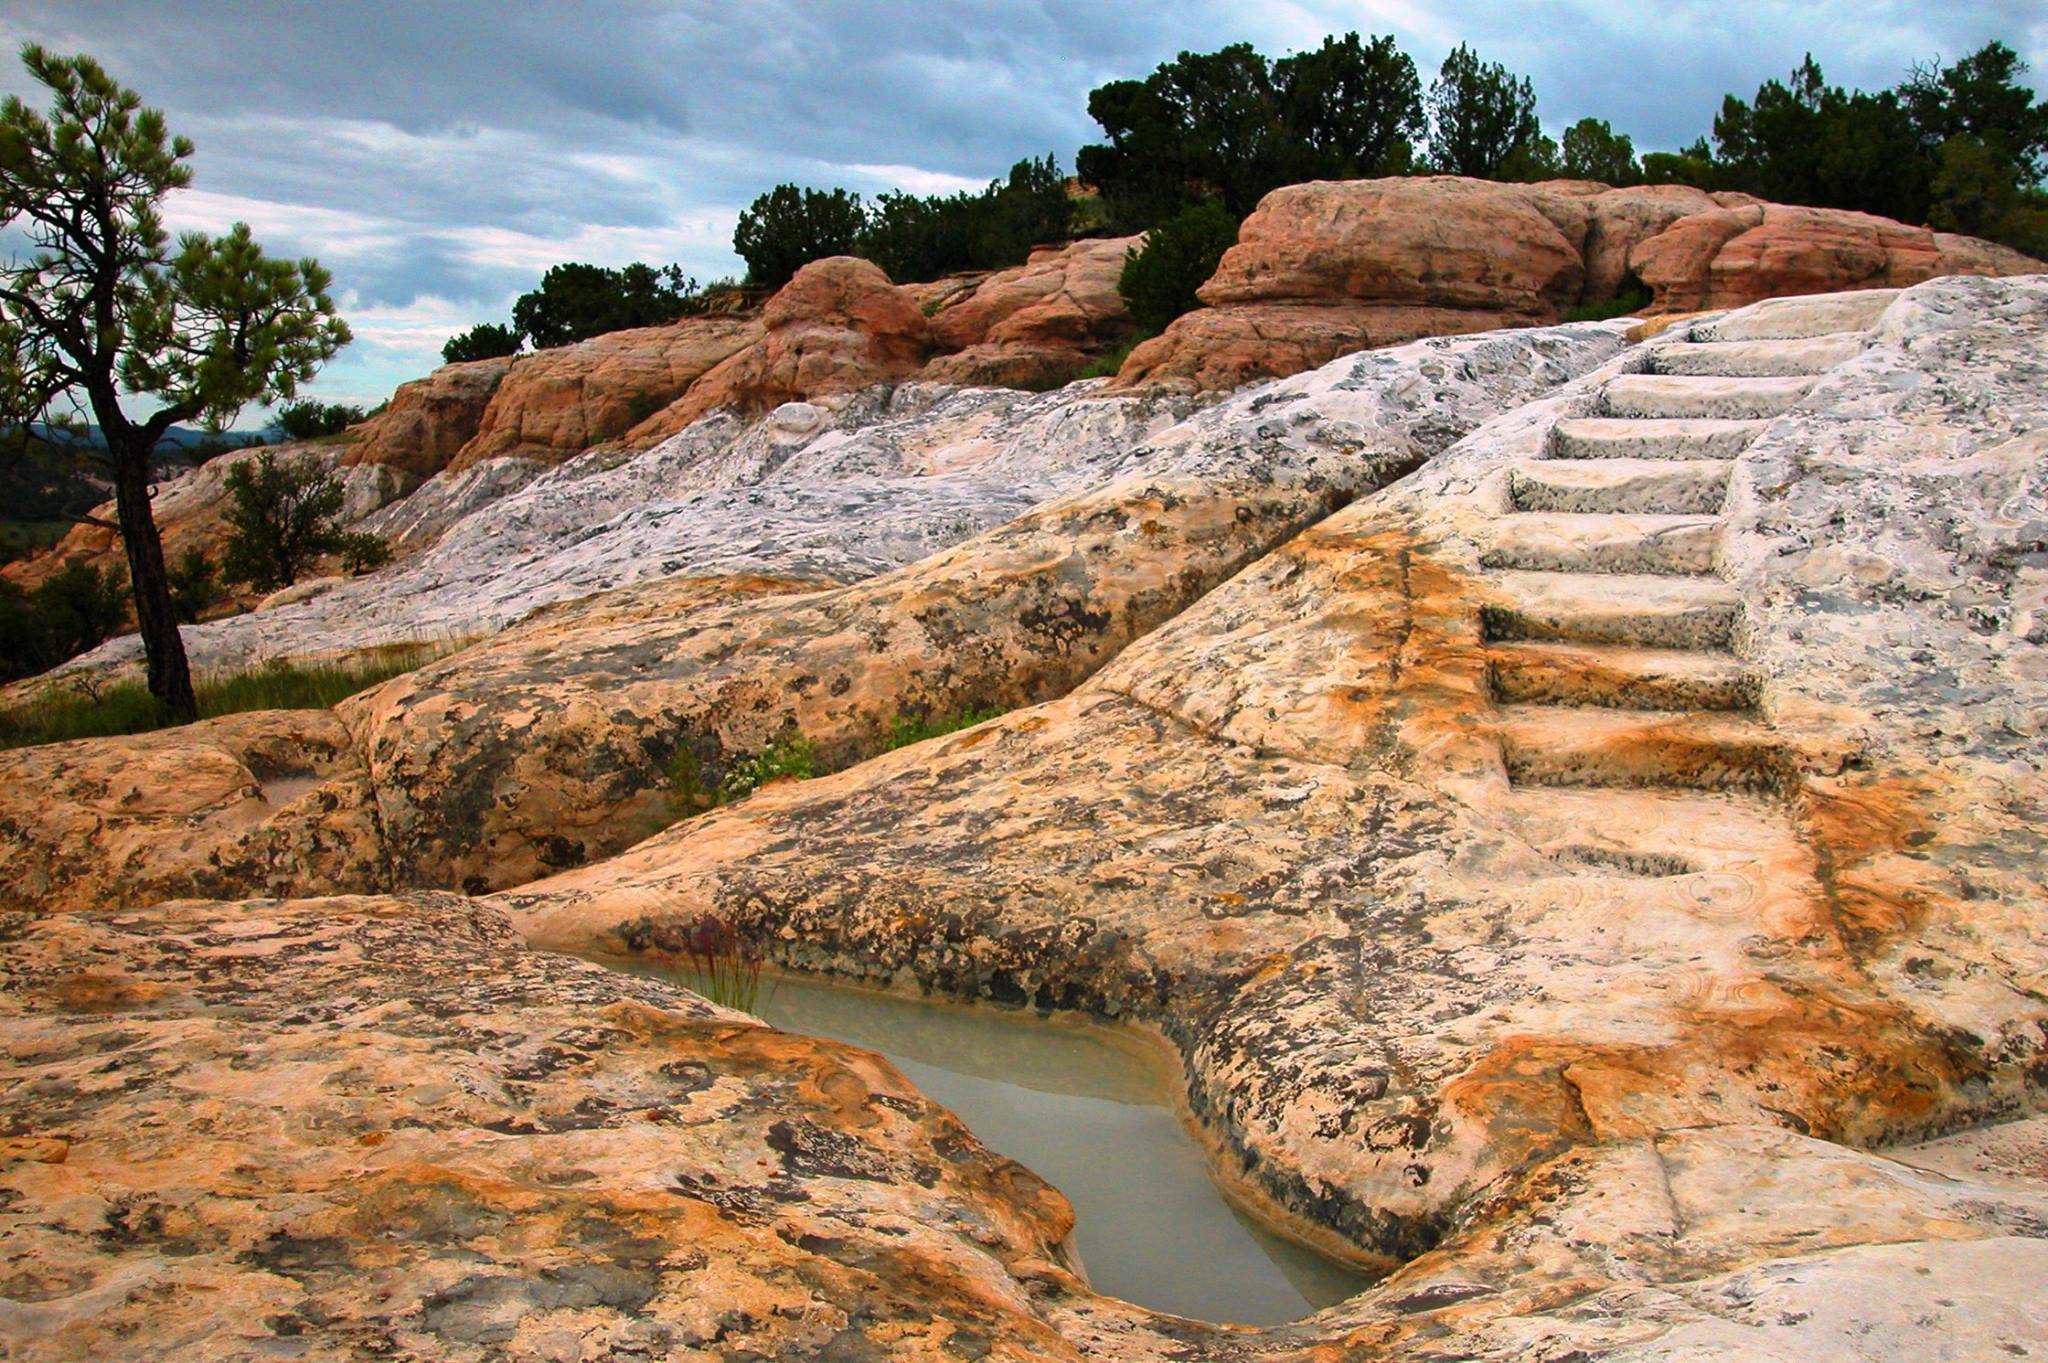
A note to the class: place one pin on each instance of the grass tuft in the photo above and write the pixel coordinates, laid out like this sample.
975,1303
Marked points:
100,710
909,729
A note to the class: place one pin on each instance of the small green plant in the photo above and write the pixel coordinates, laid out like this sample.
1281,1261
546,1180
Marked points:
909,729
362,552
195,585
1108,366
282,519
721,964
794,759
1631,298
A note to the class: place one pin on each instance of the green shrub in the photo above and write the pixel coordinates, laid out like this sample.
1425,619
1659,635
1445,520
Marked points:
1159,281
310,420
484,341
282,519
794,758
1111,363
195,585
1631,298
362,552
909,729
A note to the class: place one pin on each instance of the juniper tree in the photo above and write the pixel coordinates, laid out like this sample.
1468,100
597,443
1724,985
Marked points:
102,308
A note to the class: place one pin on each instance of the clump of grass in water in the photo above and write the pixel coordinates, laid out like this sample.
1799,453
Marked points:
722,965
909,729
100,710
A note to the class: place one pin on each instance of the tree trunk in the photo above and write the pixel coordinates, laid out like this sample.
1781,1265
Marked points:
170,677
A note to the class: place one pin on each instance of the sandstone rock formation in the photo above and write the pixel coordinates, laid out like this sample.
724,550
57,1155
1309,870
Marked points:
1330,266
560,402
1626,771
837,326
1601,871
428,420
554,743
1038,325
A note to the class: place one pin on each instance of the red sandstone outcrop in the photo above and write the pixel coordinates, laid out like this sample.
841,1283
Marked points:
1331,266
1034,326
1736,256
839,325
429,419
560,402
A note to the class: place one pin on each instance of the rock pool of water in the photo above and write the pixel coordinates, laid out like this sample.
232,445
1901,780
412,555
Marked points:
1092,1112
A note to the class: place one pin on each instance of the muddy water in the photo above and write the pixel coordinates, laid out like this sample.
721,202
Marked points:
1092,1113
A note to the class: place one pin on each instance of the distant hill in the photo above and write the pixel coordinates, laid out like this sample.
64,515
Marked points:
40,492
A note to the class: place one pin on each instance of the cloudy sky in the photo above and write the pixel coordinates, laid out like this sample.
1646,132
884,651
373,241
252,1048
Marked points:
438,155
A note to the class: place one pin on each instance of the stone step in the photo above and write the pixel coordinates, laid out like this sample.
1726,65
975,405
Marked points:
1786,319
1619,438
1545,745
1666,396
1743,850
1619,678
1593,608
1758,359
1666,487
1563,542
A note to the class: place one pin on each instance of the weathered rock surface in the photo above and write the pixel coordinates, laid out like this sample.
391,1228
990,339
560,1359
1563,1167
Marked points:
553,743
1602,870
1459,835
1038,325
1734,256
429,420
244,804
560,402
342,1127
839,325
1331,266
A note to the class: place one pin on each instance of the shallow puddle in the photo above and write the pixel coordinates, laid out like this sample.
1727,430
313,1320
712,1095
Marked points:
280,791
1092,1113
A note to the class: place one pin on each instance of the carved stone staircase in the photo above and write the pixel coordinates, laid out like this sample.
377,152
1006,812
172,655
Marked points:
1630,729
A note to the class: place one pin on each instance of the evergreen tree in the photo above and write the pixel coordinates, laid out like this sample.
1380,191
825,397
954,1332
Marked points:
1480,115
102,308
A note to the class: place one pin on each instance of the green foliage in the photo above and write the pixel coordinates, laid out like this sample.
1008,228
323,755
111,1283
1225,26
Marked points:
787,228
307,419
195,585
95,710
918,238
282,519
484,341
1233,126
575,302
794,758
1159,281
362,552
75,609
1594,151
19,539
908,729
100,309
1480,115
1110,363
1631,298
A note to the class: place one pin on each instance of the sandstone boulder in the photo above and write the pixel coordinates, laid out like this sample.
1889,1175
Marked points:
837,326
429,420
1329,266
560,402
1734,256
1037,325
